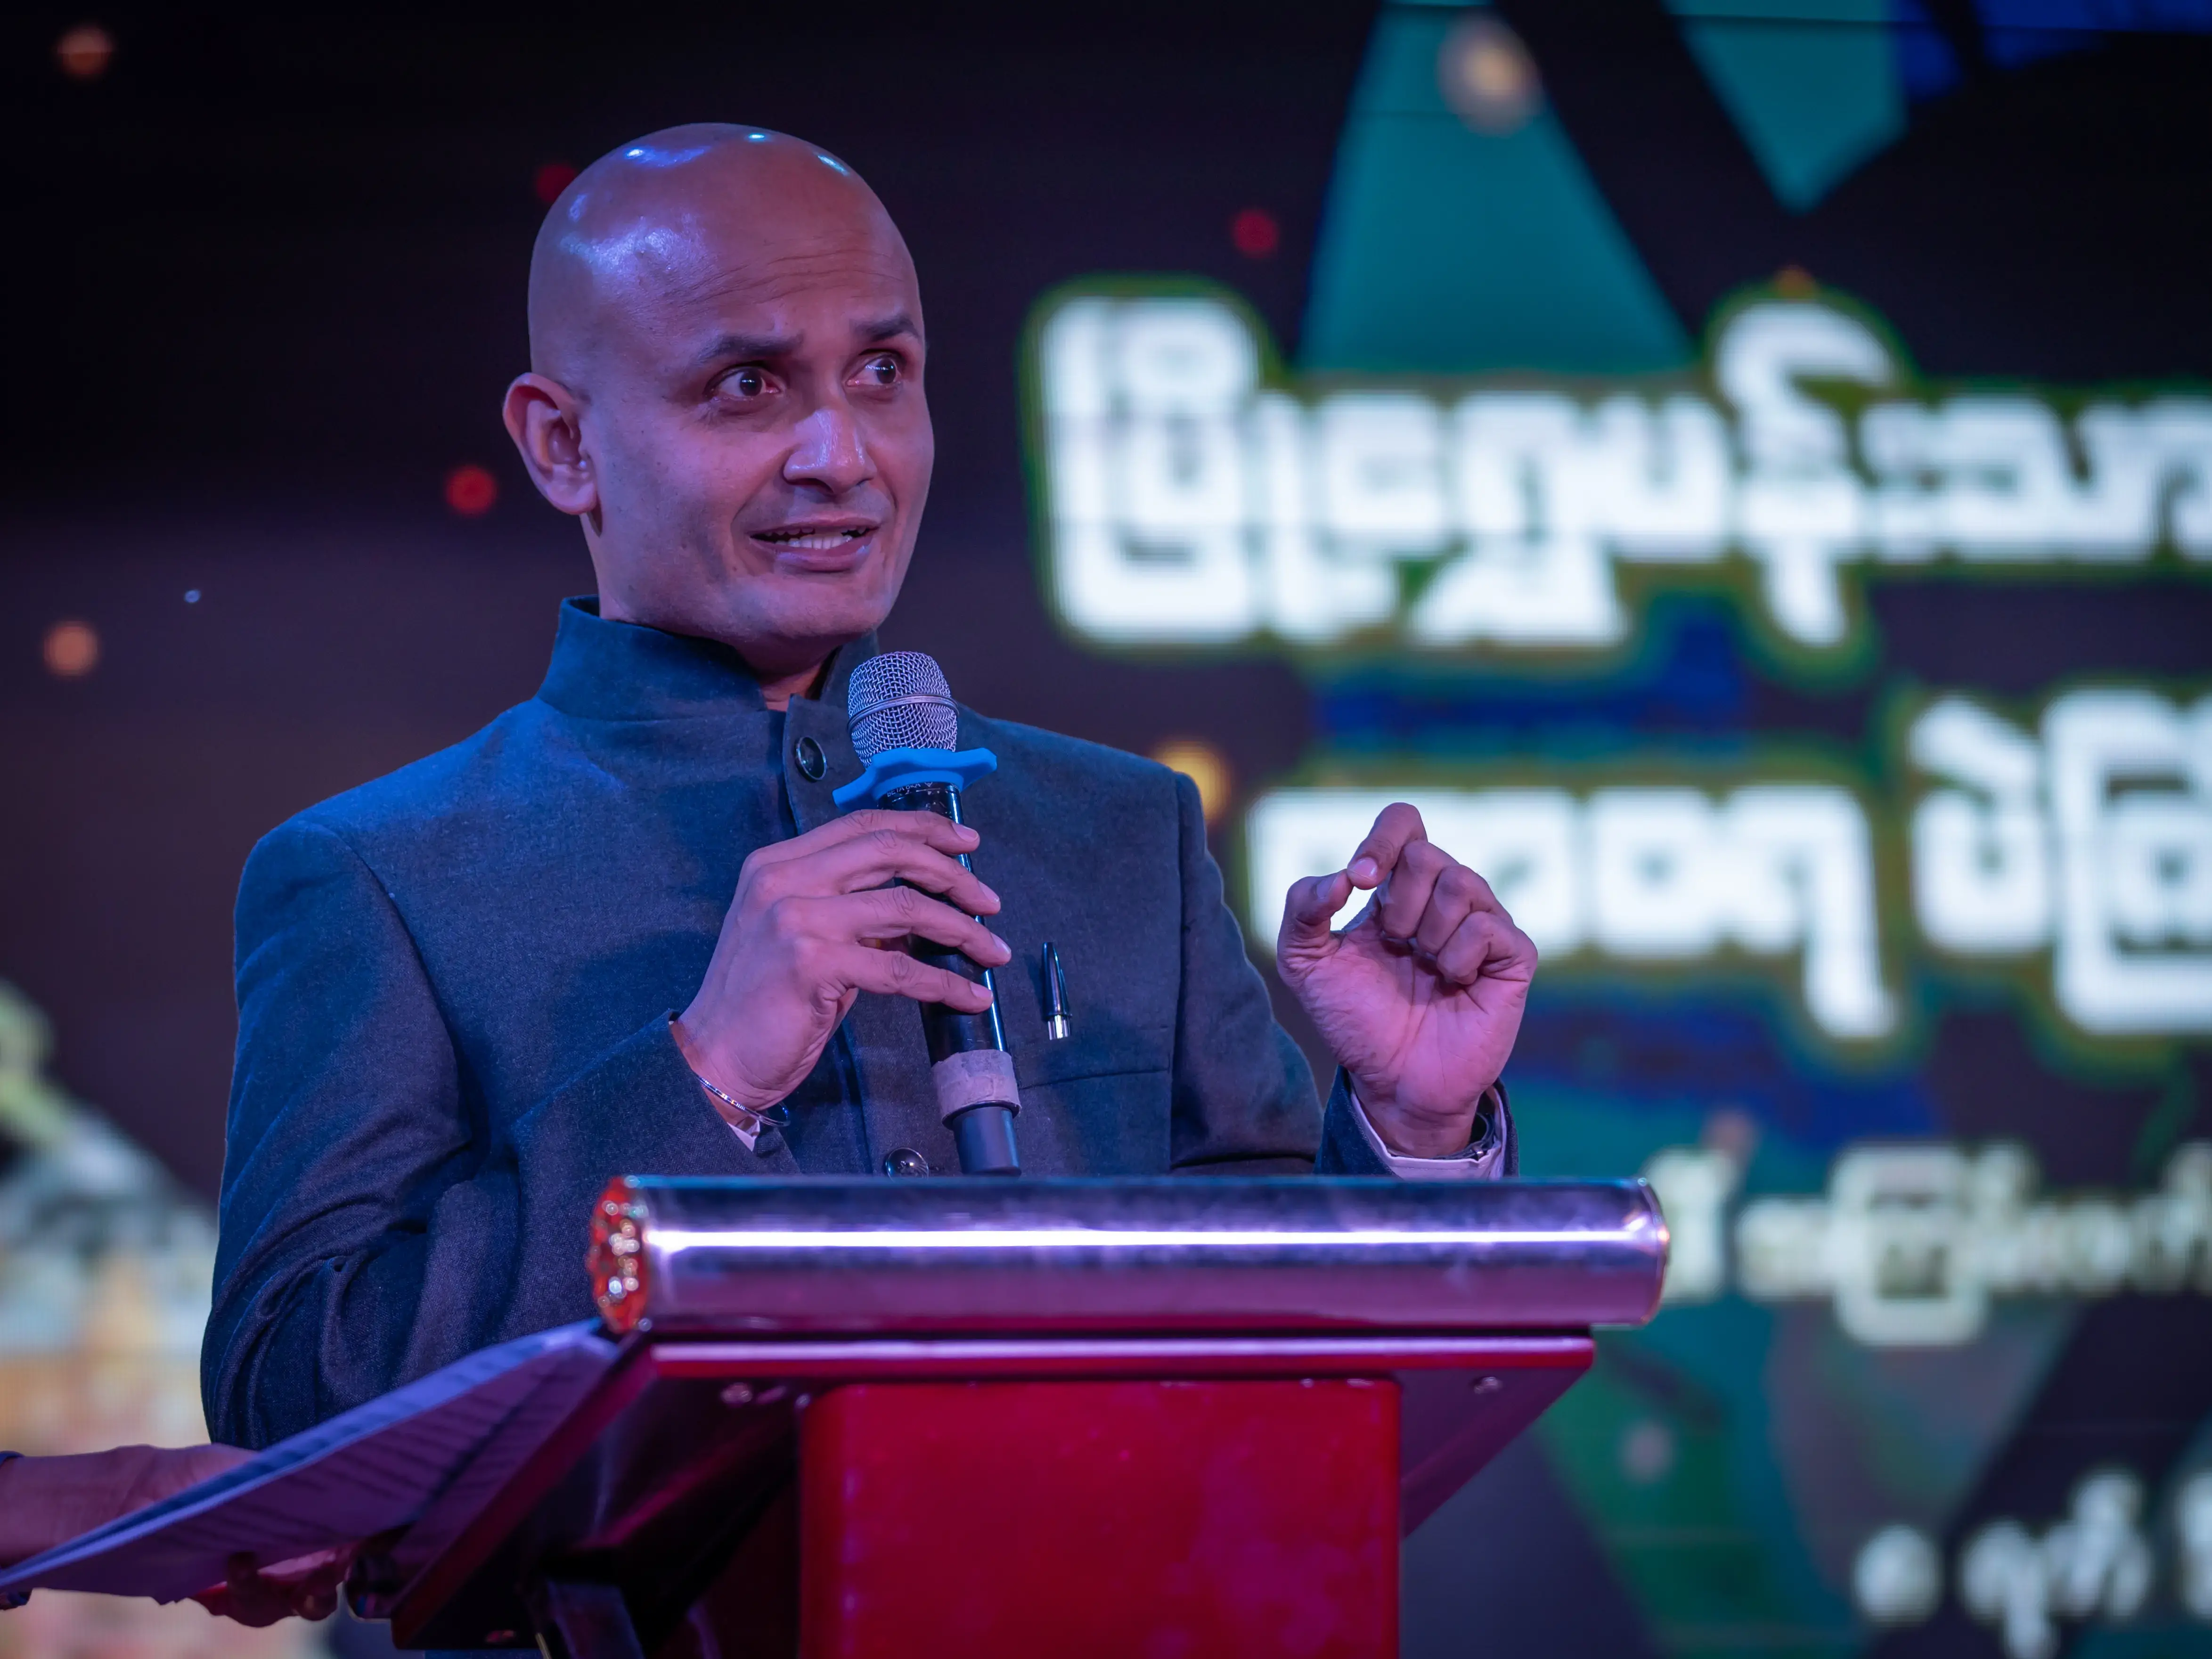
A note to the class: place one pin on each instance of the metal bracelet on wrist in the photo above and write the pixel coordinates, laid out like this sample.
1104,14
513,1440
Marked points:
755,1119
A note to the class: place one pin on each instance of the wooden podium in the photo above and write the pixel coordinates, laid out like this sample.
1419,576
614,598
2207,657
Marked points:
1121,1419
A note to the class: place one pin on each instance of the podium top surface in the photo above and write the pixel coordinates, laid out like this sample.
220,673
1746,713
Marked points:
819,1256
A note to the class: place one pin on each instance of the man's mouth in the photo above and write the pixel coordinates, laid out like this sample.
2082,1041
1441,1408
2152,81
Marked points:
815,540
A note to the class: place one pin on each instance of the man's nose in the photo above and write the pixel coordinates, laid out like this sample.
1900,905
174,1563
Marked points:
830,451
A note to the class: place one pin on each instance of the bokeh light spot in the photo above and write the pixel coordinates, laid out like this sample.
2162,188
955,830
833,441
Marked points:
1898,1578
192,596
1647,1452
551,179
71,650
84,52
1256,232
1205,766
471,490
1487,76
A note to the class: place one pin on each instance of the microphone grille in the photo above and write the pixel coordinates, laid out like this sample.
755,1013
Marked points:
899,701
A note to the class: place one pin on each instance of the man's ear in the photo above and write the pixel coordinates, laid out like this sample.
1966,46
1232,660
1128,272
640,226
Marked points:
543,419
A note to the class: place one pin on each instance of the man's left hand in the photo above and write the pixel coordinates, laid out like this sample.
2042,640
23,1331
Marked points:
1421,998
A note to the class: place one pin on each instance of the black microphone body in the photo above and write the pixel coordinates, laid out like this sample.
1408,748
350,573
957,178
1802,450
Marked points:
905,729
983,1132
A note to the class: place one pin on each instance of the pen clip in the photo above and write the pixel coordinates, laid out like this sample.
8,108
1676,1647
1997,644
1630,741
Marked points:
1055,995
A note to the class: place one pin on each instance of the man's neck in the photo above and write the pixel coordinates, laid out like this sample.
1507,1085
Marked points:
777,689
778,692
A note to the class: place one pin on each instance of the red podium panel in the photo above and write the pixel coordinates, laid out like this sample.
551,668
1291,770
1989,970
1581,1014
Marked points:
1110,1519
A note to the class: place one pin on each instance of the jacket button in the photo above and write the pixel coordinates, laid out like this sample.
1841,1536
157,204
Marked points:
811,760
905,1162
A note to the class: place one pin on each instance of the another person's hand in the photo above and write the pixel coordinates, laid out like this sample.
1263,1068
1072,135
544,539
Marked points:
256,1596
1421,997
804,936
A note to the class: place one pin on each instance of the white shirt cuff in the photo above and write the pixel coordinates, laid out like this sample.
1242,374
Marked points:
1482,1159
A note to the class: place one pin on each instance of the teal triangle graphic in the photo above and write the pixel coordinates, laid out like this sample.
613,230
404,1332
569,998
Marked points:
1448,250
1812,84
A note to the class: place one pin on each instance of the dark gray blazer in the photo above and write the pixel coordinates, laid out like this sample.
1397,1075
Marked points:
454,986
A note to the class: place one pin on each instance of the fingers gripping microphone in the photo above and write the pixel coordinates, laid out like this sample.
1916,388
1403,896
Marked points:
905,731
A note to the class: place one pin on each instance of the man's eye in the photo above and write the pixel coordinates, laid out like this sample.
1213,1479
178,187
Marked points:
880,371
745,382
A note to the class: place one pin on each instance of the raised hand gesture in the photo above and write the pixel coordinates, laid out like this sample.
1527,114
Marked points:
1421,998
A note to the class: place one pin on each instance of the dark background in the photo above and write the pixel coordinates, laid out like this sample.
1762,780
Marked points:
265,289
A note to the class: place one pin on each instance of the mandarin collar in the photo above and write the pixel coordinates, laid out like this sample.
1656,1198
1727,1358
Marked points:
619,670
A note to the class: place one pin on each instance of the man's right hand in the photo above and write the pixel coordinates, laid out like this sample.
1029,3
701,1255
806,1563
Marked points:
813,925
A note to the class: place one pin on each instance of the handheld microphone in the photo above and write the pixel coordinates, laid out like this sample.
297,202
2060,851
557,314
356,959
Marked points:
905,730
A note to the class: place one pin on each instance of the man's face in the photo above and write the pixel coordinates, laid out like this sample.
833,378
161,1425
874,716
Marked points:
754,418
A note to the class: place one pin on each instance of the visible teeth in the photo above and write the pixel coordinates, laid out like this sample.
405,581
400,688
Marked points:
818,541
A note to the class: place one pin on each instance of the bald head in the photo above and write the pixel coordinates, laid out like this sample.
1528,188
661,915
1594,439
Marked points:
671,218
726,353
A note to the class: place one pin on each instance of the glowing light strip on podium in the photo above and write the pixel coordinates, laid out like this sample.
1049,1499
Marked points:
1196,1239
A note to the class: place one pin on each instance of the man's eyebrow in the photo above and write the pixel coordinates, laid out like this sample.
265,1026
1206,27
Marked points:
744,347
889,328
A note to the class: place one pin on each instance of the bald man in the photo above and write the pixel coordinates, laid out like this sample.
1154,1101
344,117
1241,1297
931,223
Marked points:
624,928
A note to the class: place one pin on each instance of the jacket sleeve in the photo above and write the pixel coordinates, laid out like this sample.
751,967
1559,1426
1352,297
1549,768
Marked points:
1349,1145
1244,1099
1244,1102
374,1226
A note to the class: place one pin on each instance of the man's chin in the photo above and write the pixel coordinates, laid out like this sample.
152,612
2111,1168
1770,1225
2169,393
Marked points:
783,625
